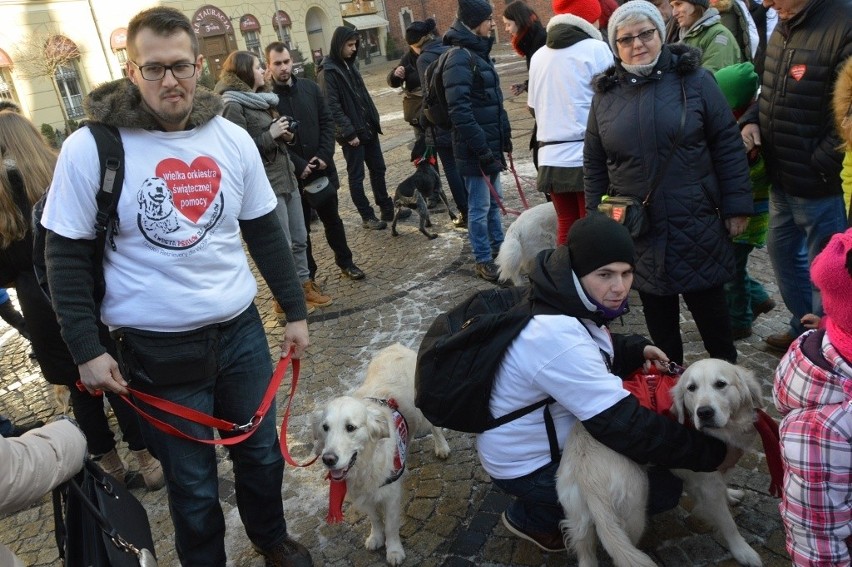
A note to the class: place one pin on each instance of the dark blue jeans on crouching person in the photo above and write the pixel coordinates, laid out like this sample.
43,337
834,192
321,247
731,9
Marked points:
536,507
233,394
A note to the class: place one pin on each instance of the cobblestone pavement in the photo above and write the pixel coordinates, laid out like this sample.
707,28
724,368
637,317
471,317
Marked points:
451,512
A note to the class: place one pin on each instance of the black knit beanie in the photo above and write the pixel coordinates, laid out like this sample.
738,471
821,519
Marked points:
418,30
596,241
474,12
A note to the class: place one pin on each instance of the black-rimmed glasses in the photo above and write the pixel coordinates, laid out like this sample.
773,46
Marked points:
644,37
156,72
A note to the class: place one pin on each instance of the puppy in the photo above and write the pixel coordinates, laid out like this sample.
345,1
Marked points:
413,192
606,493
157,205
533,231
358,439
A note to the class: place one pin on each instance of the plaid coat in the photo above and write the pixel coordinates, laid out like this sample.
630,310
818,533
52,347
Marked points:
813,391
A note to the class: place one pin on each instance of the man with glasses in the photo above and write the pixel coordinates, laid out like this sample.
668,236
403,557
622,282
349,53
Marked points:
179,291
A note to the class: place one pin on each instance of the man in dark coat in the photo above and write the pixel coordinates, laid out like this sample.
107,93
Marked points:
312,152
481,131
357,126
794,125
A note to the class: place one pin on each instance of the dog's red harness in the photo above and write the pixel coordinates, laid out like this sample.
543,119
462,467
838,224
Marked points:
652,389
337,488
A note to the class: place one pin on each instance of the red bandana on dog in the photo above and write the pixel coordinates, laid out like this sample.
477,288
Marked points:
337,488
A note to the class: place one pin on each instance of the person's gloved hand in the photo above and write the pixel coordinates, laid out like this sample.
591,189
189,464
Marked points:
507,147
489,164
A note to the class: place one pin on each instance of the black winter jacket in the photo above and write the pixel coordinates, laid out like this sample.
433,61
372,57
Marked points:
345,92
411,82
803,60
626,427
431,51
480,124
304,101
632,124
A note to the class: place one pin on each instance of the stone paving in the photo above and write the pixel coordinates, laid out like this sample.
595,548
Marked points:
451,512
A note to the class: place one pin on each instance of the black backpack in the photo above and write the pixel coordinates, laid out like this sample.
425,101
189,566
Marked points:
111,157
461,353
435,108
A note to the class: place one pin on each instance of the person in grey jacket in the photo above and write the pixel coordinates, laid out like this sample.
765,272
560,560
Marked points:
247,104
700,193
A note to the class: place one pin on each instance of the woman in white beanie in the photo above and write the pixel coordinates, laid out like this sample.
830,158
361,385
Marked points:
660,130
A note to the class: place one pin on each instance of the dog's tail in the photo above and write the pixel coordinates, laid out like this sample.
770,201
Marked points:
509,259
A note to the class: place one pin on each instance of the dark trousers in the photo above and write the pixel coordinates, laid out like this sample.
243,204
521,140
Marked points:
335,234
454,178
369,154
709,309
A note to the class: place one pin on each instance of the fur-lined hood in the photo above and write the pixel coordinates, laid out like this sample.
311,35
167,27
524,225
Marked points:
843,101
723,5
119,103
228,81
572,20
682,59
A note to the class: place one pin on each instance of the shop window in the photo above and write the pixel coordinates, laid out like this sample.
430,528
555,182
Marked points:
121,55
67,80
252,39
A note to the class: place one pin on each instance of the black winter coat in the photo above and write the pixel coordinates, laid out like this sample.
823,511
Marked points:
431,51
475,101
632,124
803,60
345,92
304,101
411,82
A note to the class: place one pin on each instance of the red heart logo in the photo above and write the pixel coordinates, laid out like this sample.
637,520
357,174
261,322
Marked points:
193,186
798,71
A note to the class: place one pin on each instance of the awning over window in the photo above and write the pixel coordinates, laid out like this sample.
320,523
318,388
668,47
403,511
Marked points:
5,60
367,22
118,39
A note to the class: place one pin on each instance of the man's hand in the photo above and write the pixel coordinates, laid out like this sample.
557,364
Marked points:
652,354
354,142
307,171
736,225
399,72
517,89
320,163
295,335
732,457
751,136
101,373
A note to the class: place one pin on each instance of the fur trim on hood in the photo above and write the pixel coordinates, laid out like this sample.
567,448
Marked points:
119,103
572,20
843,102
682,59
723,5
230,82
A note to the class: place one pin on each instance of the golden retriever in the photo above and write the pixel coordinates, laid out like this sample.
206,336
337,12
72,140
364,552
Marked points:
533,231
357,439
606,493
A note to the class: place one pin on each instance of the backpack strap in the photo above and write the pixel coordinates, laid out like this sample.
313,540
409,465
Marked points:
111,157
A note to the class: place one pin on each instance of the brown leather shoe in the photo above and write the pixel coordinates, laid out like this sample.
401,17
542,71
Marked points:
289,553
761,308
550,542
313,295
780,341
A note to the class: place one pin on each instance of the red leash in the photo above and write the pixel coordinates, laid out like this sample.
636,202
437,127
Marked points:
518,182
282,438
496,196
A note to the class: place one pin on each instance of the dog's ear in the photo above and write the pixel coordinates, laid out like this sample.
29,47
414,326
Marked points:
678,408
749,387
377,423
316,426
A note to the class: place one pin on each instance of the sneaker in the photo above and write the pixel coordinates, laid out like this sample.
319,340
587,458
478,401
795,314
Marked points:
289,553
388,215
373,223
762,307
780,342
487,271
550,542
313,295
353,272
741,333
18,430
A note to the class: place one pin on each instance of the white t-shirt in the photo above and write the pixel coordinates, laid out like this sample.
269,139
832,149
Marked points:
179,262
560,93
555,355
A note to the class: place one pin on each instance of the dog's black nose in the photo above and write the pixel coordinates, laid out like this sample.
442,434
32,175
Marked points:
329,460
705,412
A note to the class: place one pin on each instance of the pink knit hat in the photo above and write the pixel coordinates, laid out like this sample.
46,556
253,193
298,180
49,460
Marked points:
831,271
589,10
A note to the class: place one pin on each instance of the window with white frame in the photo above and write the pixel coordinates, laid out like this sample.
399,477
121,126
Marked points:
7,87
67,80
252,42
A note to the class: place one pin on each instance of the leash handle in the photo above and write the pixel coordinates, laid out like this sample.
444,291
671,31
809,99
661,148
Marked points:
282,438
521,193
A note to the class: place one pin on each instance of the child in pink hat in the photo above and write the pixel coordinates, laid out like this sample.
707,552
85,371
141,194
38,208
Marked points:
813,391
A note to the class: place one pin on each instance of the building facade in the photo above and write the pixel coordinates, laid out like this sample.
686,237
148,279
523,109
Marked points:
52,53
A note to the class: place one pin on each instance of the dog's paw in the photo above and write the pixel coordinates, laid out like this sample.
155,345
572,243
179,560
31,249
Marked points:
747,556
432,236
395,556
735,496
394,232
442,448
375,540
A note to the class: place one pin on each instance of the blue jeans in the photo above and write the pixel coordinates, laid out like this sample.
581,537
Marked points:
798,229
244,371
369,153
743,292
484,227
454,178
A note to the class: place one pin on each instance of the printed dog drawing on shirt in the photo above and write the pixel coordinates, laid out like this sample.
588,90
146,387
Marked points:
157,206
413,193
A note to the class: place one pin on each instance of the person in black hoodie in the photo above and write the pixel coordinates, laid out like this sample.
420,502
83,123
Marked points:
357,126
571,357
481,131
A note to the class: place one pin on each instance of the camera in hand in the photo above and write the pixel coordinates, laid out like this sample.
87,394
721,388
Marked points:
294,124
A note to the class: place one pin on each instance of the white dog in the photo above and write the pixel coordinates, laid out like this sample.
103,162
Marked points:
358,436
157,205
533,231
601,490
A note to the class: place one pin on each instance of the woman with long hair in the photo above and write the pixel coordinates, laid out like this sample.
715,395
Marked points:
250,105
27,171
